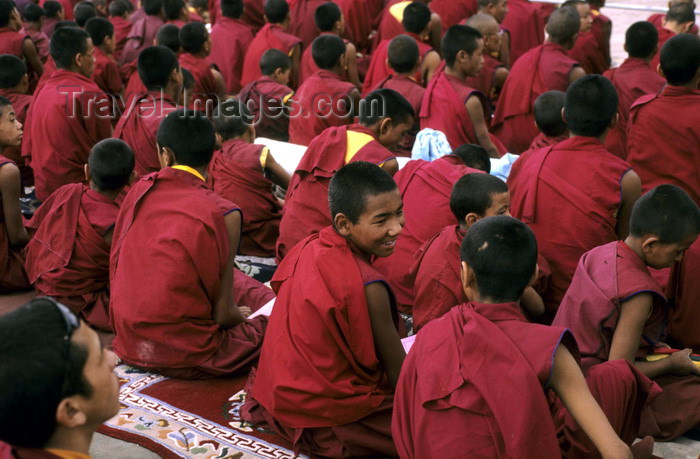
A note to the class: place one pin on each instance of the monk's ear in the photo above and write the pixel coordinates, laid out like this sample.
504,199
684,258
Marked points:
219,141
468,280
342,224
70,413
659,70
133,177
385,126
471,218
563,116
166,157
86,170
534,275
649,243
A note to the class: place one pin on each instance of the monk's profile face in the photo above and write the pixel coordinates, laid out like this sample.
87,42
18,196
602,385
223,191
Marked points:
584,12
500,205
391,135
492,38
86,64
472,63
660,255
499,10
10,128
377,229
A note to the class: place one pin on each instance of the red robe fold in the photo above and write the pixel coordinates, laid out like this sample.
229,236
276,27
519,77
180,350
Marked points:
106,73
306,205
322,101
163,317
270,36
265,99
542,141
230,38
204,82
453,11
598,28
11,42
318,369
67,10
12,274
141,36
525,26
379,67
49,25
41,41
235,172
684,292
360,15
425,188
122,27
302,23
413,93
664,36
390,21
444,109
542,69
589,54
569,195
67,117
68,257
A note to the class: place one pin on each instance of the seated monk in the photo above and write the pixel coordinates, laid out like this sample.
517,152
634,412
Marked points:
657,19
175,12
360,16
83,11
575,195
34,16
68,256
524,26
497,9
143,31
230,38
385,117
549,120
14,85
587,50
169,36
16,43
616,310
54,14
451,393
449,105
119,12
493,72
301,16
438,284
679,19
329,363
13,235
541,69
177,315
209,85
601,28
246,172
106,73
323,99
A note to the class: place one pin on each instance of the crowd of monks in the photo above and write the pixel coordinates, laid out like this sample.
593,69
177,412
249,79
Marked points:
130,182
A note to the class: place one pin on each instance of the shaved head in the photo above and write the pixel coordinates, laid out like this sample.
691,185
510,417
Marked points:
563,24
484,23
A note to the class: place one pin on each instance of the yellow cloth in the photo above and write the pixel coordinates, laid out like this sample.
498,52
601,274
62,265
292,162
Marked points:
65,454
191,170
655,357
287,97
263,156
397,10
356,140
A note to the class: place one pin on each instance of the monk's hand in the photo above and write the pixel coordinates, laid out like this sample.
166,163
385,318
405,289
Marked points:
618,450
681,365
245,310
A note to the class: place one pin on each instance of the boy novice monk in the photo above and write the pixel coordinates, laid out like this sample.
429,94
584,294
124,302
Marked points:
209,84
14,84
547,110
15,43
493,72
616,310
332,355
230,38
482,380
68,256
385,117
176,315
449,105
106,73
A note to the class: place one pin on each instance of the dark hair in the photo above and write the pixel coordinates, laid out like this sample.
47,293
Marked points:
99,29
155,64
232,119
666,212
83,12
403,53
111,162
385,103
63,24
276,11
416,17
680,13
65,43
187,79
12,69
168,35
590,105
190,136
274,59
563,24
192,36
232,8
33,12
36,374
52,8
502,253
353,184
152,7
641,39
573,3
6,8
173,8
680,58
459,38
547,110
326,15
326,50
118,8
474,156
4,102
473,193
485,3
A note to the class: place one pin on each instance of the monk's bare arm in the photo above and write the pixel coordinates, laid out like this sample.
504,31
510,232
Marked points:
631,190
435,31
226,313
568,382
32,56
386,339
532,302
576,73
276,172
295,56
10,189
499,78
351,56
625,343
391,166
219,84
429,66
481,130
504,50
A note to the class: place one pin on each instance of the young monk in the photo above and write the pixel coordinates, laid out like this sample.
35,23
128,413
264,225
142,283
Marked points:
13,236
267,97
547,110
541,69
658,18
679,19
54,13
671,157
175,12
68,256
575,195
33,20
587,50
169,36
632,79
143,31
245,171
106,73
330,392
449,105
160,72
498,9
452,390
209,83
83,12
385,117
616,310
601,28
64,124
493,72
230,38
272,35
14,84
176,315
119,11
15,43
323,99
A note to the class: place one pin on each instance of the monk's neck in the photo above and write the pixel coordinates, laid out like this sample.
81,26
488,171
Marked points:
105,51
77,440
600,138
111,194
455,73
636,244
673,27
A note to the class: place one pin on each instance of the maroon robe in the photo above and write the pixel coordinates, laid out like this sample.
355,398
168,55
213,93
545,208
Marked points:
306,205
49,25
67,10
253,13
542,69
413,93
163,317
453,11
322,101
141,36
425,188
569,195
68,257
664,36
379,66
122,27
41,41
204,81
11,42
390,21
606,277
266,100
134,87
324,391
236,172
684,292
542,141
484,81
230,38
12,274
20,104
601,28
359,16
67,117
270,36
453,386
106,73
589,54
633,79
302,23
307,66
525,26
